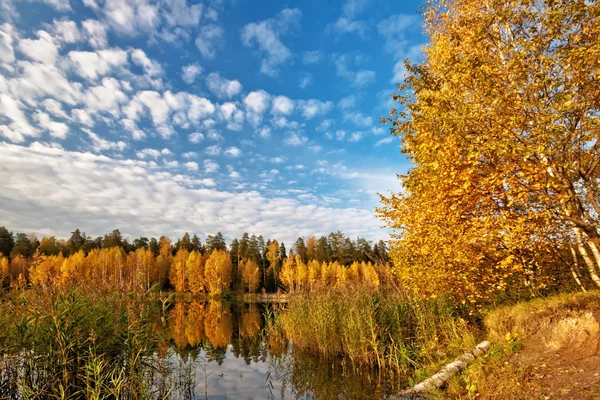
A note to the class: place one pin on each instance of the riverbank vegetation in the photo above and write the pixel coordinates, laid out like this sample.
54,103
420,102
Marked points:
382,328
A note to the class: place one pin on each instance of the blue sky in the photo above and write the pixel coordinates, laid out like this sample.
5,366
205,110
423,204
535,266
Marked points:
167,116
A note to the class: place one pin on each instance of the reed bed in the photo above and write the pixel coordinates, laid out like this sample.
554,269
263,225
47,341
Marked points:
385,329
77,344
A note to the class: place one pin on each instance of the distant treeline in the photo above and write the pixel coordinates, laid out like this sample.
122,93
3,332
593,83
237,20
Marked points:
188,265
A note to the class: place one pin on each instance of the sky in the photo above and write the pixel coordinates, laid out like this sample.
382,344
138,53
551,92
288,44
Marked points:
159,117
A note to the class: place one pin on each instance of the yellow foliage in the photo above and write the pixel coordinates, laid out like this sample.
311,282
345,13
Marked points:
500,121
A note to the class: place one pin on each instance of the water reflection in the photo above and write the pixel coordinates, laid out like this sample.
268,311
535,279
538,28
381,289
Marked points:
220,351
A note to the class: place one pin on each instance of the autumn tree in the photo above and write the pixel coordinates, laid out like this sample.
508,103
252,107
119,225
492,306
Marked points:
195,272
500,121
250,275
274,258
177,273
217,272
4,270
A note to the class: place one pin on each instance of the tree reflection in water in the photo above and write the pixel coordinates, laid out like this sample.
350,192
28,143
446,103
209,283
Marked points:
220,351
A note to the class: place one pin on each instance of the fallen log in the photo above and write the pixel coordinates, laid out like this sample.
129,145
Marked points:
441,378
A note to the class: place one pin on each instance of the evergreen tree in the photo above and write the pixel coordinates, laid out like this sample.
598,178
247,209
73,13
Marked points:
216,242
141,242
186,243
323,251
75,242
7,241
113,239
282,252
197,244
25,245
300,248
154,246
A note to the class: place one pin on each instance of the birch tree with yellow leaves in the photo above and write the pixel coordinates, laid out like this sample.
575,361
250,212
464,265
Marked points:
501,122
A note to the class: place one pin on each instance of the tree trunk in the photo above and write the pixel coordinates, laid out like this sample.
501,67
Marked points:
575,270
586,257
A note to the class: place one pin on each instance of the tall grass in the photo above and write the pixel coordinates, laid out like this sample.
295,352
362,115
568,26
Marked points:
76,344
385,329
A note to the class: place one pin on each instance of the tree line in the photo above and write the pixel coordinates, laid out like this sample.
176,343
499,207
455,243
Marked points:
188,265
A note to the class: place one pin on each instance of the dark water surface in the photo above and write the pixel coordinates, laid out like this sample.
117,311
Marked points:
223,351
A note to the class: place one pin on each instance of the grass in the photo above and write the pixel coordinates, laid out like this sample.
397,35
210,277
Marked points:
384,329
76,344
528,318
536,327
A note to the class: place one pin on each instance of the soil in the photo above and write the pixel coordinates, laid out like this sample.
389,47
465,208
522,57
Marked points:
561,361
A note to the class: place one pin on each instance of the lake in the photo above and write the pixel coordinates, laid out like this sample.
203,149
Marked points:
216,350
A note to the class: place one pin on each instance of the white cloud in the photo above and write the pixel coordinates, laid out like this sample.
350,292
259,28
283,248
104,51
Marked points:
57,130
58,5
305,80
222,87
196,137
264,132
265,37
358,78
282,105
92,65
106,97
356,136
131,17
179,13
214,136
95,33
209,37
257,102
210,166
7,51
233,116
20,126
312,57
43,50
213,150
278,160
191,166
152,153
347,22
66,31
67,189
295,139
99,144
311,108
382,142
397,29
42,80
348,102
189,154
358,119
325,125
83,117
233,152
190,72
150,67
54,108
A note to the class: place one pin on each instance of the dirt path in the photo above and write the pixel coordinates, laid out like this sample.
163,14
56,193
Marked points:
561,361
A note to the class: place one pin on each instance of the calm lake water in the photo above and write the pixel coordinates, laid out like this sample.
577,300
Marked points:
222,351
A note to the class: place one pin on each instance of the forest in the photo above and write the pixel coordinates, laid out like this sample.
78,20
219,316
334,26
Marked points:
188,265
